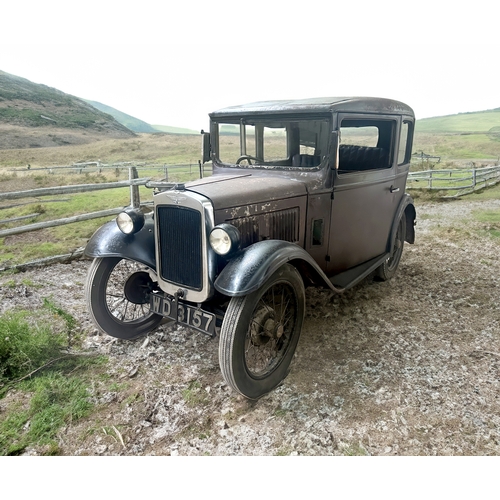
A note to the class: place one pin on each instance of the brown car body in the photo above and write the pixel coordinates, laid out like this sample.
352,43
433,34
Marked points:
304,192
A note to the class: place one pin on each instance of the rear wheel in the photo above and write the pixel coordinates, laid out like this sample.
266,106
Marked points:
260,332
388,269
117,292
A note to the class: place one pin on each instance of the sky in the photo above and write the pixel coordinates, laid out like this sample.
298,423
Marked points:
171,63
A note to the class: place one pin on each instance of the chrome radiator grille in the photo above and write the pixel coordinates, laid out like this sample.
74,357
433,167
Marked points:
180,243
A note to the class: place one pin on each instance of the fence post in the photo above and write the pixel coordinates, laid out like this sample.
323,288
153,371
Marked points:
430,179
473,177
135,200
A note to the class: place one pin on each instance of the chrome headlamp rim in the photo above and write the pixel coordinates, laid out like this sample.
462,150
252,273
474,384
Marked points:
225,239
130,221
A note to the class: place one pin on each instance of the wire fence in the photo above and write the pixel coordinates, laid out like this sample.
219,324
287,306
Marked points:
99,167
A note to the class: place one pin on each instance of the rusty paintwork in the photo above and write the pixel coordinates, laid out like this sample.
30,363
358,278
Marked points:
346,216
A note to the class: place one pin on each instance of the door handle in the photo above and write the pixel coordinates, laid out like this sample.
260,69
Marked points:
393,189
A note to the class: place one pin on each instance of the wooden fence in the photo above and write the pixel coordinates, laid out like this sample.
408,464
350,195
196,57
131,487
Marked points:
459,181
134,182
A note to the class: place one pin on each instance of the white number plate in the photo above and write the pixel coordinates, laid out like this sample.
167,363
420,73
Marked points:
186,314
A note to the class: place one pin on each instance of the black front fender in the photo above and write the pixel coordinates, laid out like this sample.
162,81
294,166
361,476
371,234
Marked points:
249,269
109,241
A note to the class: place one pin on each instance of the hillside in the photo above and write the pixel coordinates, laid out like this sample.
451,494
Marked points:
474,122
35,115
128,121
167,129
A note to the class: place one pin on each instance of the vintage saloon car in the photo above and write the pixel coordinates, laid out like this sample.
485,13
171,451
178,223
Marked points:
305,192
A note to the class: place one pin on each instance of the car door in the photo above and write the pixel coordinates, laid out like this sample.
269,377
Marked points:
367,190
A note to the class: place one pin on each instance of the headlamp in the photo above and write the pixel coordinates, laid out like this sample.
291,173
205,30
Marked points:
130,221
225,239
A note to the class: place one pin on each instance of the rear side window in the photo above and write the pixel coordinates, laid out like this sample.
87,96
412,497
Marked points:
365,144
404,150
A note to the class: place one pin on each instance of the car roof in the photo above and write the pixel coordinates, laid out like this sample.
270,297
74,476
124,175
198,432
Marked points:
317,105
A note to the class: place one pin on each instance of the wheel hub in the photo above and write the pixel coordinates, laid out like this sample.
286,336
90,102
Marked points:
265,327
138,287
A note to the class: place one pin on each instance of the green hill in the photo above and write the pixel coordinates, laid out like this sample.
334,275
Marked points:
462,123
35,115
140,126
128,121
175,130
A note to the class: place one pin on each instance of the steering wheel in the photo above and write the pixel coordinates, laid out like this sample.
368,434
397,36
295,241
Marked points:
246,157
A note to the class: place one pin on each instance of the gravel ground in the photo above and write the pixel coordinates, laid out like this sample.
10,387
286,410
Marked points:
406,367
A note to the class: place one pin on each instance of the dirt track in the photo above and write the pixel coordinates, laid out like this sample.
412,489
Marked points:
406,367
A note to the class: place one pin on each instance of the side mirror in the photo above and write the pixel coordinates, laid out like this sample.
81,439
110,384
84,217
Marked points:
333,156
206,150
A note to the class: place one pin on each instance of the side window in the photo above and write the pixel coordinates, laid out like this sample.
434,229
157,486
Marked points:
275,144
365,144
404,143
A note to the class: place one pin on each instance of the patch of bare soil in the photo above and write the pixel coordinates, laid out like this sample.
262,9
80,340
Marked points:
405,367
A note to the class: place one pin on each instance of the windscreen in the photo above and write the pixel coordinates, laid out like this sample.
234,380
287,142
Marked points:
281,143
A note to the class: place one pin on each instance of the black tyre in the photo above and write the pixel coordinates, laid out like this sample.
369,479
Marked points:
388,269
117,292
260,332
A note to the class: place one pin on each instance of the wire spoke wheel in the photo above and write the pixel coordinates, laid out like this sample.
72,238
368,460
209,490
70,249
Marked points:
260,332
271,329
117,293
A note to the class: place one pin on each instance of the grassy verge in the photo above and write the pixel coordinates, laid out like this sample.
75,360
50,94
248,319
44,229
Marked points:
42,386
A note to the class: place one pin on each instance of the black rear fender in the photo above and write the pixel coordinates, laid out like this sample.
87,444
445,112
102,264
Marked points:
406,209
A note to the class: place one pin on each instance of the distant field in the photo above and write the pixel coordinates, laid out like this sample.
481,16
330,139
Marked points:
482,121
156,148
453,149
175,130
458,148
442,136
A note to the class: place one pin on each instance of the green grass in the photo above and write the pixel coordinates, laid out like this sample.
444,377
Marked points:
56,400
481,121
26,342
19,249
355,450
51,387
194,395
156,148
490,220
456,147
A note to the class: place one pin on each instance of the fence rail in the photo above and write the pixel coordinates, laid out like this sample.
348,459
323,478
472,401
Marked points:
134,182
463,181
99,167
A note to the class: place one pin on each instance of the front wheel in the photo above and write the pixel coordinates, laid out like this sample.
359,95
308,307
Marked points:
117,292
260,332
388,269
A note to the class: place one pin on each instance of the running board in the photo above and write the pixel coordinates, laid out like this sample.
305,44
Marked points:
353,276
